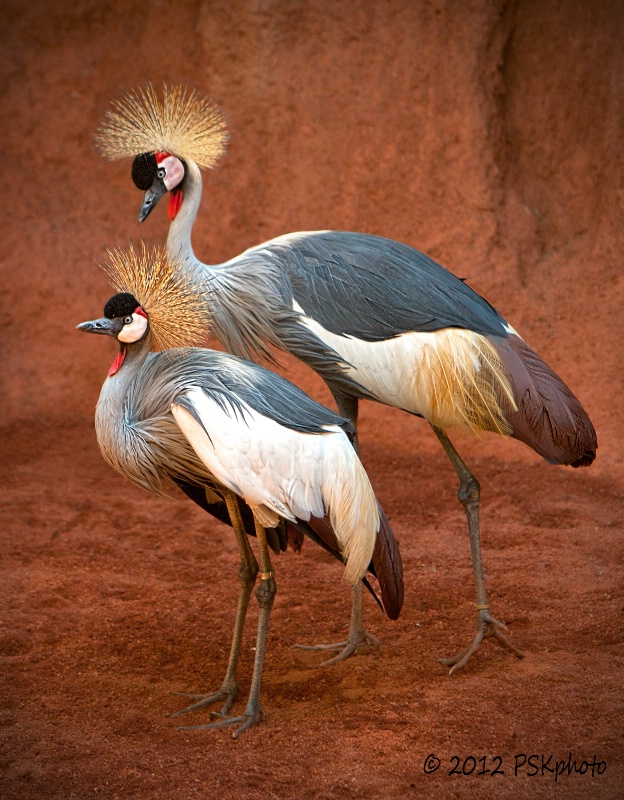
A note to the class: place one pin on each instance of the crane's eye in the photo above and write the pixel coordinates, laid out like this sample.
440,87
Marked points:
161,173
127,321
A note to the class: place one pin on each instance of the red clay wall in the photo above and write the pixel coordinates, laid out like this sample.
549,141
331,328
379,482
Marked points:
487,134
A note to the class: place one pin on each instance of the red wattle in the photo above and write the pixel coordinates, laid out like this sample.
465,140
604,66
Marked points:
116,365
175,203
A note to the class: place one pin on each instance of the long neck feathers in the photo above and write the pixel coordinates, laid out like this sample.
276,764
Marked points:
110,412
245,295
137,433
248,299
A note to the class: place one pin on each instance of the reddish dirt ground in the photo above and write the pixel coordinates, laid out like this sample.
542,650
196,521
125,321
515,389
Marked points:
487,134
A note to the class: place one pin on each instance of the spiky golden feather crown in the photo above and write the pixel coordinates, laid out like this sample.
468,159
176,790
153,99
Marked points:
185,123
177,313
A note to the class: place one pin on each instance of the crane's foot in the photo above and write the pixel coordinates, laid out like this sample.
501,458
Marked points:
226,695
487,626
354,645
252,716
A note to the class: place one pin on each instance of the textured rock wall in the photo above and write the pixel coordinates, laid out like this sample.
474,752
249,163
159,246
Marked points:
487,134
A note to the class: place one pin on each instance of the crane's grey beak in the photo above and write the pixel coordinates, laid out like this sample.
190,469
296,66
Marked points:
110,327
151,198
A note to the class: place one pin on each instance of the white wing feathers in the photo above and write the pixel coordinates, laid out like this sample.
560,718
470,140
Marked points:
286,473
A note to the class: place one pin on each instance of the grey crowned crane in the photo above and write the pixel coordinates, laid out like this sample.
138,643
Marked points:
378,320
223,428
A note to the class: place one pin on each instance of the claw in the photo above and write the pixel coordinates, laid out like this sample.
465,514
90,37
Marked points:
227,695
244,721
348,648
486,626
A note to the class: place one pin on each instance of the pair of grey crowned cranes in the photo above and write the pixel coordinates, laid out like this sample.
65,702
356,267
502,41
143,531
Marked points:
376,319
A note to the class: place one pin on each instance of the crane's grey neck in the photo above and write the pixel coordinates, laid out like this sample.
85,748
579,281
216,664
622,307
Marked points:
249,299
109,410
179,244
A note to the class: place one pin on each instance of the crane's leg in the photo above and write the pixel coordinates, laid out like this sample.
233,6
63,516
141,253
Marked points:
265,594
247,574
358,637
348,408
468,495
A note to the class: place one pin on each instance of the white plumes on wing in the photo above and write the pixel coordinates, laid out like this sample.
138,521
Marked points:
282,472
511,330
450,376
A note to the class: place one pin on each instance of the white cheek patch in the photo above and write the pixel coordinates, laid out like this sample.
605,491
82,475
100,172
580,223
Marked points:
134,330
174,171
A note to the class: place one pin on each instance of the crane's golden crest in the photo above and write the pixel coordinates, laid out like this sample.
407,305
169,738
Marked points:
184,123
177,313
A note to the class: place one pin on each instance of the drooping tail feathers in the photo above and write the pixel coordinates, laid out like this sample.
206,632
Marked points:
354,516
549,418
386,563
388,567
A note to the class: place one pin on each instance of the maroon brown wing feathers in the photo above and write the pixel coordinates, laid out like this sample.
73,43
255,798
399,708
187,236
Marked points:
549,418
388,567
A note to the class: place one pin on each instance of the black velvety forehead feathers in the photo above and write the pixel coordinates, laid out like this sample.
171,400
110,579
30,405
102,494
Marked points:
121,305
144,169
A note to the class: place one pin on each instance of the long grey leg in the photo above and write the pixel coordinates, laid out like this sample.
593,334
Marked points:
265,594
358,636
348,408
247,574
468,494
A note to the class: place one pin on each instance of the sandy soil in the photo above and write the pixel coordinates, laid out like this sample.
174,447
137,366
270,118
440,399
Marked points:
487,134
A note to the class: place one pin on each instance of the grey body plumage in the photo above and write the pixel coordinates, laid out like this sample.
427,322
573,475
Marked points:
249,302
142,441
374,288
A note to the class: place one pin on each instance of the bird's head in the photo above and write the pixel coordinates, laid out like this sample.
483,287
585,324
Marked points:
125,320
155,174
163,135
